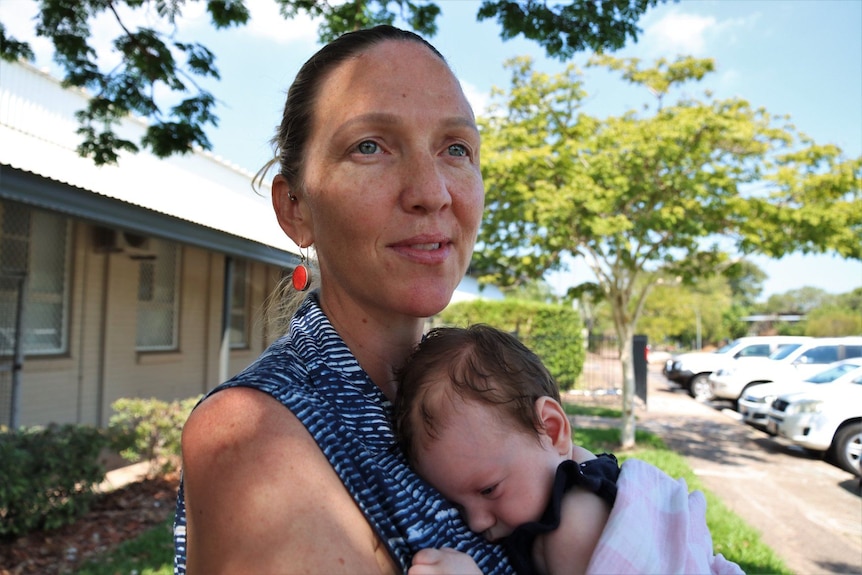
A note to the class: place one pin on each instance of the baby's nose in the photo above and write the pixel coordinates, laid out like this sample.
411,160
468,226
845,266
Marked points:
479,520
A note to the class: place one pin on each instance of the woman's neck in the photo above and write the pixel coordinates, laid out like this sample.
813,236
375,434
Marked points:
380,342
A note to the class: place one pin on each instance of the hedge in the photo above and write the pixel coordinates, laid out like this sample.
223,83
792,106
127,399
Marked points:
554,332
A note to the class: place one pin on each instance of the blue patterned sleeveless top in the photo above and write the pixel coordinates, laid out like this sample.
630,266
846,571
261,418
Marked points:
314,375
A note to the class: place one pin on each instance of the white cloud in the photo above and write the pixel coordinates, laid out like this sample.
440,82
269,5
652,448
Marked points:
19,18
679,33
477,98
267,23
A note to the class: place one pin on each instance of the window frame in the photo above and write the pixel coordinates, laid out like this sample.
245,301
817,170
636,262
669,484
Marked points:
35,233
240,310
173,306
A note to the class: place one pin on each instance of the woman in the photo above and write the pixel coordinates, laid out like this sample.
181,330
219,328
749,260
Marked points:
378,155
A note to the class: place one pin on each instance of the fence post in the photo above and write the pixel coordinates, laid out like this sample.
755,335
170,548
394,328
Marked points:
639,358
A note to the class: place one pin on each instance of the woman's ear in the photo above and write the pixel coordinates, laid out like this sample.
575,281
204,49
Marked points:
292,212
555,423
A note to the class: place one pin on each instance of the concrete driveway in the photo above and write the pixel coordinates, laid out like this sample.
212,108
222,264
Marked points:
807,510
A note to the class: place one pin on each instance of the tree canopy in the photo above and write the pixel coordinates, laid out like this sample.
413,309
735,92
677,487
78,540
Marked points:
669,192
152,59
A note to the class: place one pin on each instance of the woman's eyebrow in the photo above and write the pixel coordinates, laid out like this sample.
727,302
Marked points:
392,119
370,118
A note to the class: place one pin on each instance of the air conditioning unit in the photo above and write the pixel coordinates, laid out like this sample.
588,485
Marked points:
136,246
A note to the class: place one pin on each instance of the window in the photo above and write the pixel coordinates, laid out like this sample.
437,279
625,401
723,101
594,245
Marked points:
34,244
759,350
852,351
158,298
239,306
822,354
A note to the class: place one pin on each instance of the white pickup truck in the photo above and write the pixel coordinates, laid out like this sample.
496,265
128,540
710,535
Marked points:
692,370
786,364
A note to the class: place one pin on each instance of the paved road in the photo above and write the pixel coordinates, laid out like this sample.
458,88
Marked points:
807,510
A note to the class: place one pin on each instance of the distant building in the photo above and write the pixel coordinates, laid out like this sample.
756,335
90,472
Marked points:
764,324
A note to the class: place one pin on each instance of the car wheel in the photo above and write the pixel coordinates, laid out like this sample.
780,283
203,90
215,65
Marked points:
700,388
847,448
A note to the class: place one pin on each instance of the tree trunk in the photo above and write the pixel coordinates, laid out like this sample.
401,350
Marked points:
627,425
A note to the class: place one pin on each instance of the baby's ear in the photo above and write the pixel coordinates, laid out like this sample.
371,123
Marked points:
555,423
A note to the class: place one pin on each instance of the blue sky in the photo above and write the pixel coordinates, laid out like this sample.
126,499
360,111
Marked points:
802,58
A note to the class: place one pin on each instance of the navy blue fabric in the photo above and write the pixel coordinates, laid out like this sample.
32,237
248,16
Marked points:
598,475
314,375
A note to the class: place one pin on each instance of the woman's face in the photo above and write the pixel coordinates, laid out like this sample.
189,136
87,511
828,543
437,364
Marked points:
392,182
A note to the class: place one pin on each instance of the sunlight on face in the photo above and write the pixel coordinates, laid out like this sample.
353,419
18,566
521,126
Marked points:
393,180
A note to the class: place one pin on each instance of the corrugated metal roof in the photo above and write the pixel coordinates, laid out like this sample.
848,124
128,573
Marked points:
37,135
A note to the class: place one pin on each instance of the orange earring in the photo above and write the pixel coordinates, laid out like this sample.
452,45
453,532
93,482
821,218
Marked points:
301,276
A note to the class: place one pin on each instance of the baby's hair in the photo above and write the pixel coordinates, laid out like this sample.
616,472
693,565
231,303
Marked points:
477,363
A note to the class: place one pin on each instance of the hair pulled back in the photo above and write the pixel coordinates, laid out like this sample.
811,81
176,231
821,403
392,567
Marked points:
292,136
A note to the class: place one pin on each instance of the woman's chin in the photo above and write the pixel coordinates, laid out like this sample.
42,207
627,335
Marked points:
426,302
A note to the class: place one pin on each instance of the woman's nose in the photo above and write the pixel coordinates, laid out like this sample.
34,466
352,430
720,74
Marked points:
425,187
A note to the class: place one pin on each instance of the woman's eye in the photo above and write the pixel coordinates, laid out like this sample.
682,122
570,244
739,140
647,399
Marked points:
458,150
367,147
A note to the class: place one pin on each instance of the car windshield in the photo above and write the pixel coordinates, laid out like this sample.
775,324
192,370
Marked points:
833,373
728,347
784,350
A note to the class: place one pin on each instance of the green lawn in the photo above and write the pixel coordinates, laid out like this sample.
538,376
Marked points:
152,553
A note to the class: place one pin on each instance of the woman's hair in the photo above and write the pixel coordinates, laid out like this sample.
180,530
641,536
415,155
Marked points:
478,363
291,138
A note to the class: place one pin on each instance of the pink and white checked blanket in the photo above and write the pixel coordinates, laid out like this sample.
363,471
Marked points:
656,527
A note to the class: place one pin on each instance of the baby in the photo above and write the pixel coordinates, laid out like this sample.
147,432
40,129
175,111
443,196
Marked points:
480,418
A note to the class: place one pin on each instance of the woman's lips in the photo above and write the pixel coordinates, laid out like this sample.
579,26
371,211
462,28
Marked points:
426,250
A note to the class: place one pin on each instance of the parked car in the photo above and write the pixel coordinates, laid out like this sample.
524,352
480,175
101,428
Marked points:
691,370
757,399
828,420
790,362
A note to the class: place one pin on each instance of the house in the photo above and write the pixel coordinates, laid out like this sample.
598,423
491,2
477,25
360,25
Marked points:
144,279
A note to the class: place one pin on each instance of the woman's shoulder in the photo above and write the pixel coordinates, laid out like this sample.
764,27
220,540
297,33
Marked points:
252,467
235,414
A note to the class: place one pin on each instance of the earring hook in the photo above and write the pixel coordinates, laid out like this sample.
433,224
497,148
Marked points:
301,276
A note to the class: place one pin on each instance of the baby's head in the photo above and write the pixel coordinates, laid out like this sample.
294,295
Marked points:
478,363
479,417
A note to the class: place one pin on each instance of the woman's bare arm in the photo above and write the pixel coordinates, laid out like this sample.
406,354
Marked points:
261,497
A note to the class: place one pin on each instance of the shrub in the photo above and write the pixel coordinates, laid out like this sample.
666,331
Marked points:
553,332
833,322
150,430
47,476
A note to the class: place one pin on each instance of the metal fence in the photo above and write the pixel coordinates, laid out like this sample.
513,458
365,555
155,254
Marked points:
602,379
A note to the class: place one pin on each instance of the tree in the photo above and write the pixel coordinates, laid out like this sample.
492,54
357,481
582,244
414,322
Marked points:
656,194
798,301
691,314
537,291
152,60
745,280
